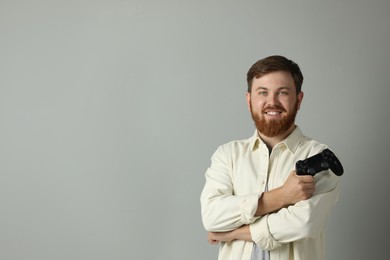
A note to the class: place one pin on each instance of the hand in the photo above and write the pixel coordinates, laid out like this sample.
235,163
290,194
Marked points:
297,188
241,233
216,237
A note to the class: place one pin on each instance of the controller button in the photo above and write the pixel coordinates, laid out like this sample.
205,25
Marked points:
325,165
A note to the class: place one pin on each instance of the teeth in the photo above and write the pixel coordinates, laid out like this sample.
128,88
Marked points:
273,113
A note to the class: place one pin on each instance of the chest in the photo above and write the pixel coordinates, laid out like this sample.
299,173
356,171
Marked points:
260,171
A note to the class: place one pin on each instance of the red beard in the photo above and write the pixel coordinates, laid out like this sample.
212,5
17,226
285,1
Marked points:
272,128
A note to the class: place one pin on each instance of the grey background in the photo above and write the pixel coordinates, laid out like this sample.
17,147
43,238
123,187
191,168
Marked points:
111,109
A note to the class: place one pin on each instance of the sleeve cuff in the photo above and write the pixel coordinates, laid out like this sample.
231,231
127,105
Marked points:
248,208
261,235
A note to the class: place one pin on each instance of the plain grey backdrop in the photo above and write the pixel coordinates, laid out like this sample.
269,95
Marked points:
111,109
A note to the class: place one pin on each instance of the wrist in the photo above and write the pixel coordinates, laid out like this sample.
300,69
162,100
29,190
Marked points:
242,233
283,199
271,201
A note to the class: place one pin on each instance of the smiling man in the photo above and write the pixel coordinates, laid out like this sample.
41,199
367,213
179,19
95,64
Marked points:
253,203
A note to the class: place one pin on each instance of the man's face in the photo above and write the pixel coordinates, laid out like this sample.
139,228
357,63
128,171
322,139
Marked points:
273,103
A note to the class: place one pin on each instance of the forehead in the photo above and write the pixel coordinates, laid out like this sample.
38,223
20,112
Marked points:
276,79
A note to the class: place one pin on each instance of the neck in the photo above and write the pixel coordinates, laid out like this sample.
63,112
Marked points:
272,141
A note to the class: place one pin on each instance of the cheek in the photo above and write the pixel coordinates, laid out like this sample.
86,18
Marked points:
290,104
257,102
257,106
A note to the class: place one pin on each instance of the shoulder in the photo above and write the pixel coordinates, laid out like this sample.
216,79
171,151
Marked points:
307,147
235,147
303,146
311,146
240,144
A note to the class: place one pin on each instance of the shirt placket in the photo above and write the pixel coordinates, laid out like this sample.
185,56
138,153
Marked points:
273,165
264,168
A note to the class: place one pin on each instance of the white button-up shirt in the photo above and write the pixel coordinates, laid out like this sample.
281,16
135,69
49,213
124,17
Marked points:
235,181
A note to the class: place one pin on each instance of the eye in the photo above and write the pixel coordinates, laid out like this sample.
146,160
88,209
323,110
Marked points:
263,93
283,93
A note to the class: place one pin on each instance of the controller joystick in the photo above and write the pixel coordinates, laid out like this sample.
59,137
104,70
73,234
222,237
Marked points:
320,162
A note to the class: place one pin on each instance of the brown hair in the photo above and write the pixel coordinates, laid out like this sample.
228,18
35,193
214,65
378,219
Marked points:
275,63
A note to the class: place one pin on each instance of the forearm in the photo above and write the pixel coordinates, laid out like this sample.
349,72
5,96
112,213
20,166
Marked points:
241,233
295,189
269,202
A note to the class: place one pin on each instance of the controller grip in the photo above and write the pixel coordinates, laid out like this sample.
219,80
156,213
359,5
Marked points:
322,161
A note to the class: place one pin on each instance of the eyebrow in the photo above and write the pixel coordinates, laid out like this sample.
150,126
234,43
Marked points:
279,88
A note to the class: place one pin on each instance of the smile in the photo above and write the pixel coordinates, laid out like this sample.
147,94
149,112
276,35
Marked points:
272,113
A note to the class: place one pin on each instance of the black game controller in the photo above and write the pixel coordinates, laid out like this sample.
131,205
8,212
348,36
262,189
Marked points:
320,162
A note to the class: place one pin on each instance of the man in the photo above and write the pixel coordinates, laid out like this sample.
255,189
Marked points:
253,202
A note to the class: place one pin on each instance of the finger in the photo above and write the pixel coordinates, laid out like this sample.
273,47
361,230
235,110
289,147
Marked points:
310,190
302,178
213,241
308,186
306,178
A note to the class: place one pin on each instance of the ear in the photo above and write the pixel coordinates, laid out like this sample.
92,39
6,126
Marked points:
300,97
248,100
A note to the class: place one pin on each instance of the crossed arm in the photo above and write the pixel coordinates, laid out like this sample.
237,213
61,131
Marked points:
295,189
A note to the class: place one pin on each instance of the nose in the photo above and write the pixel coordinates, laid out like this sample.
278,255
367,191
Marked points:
272,99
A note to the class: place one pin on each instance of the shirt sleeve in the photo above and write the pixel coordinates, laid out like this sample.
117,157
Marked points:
303,220
221,209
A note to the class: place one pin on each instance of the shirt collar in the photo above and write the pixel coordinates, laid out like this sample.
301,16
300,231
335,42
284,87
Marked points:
294,139
255,141
291,142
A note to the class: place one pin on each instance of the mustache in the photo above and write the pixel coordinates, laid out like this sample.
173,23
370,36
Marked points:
277,107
